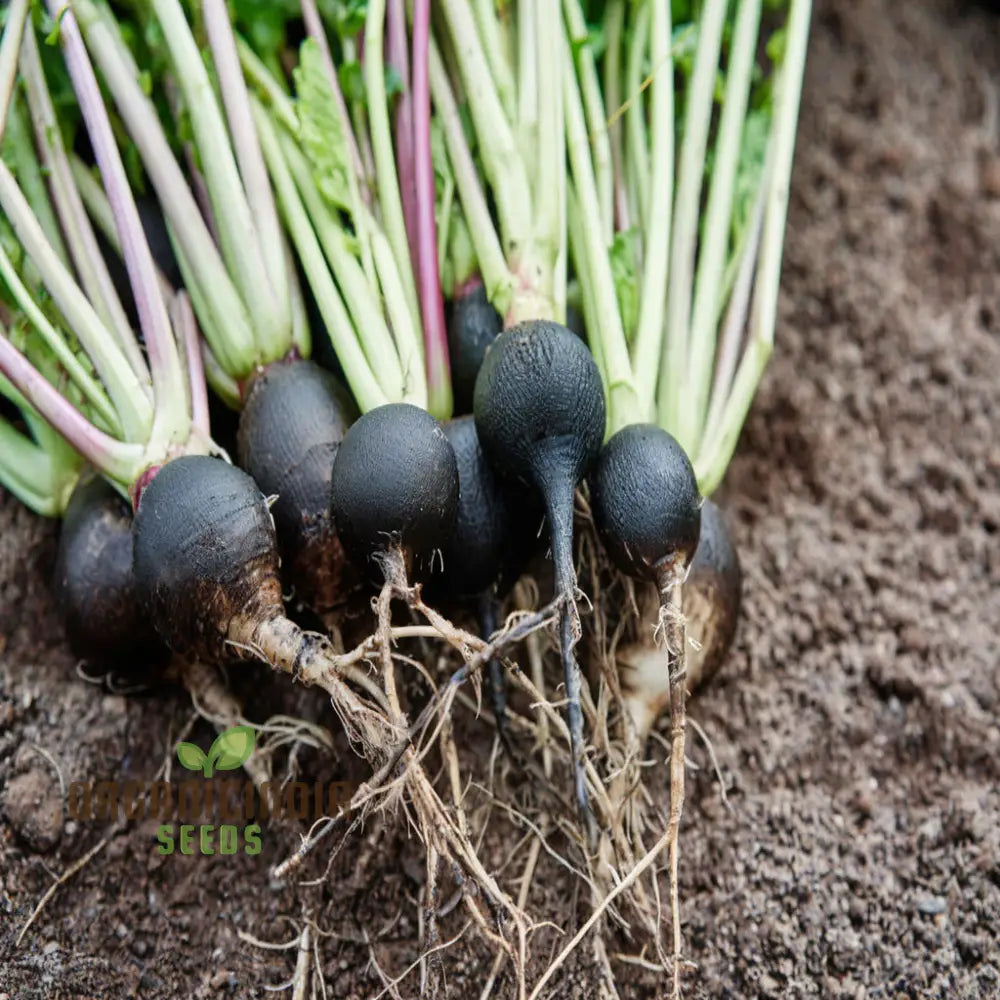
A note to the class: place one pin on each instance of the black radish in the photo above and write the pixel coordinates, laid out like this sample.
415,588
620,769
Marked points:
496,530
94,589
540,416
205,562
646,504
394,489
295,414
647,509
497,522
472,326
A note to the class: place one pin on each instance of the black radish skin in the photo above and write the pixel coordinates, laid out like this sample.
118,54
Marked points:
295,414
540,416
94,587
472,326
394,487
496,532
645,501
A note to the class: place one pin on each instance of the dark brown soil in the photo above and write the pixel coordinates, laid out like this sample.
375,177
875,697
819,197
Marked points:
857,724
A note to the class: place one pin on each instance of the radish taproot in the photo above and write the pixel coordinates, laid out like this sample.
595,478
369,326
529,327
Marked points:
540,416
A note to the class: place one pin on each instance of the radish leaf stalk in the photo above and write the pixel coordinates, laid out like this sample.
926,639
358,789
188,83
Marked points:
381,137
718,211
241,244
80,240
227,324
720,441
531,227
656,252
10,42
428,276
690,171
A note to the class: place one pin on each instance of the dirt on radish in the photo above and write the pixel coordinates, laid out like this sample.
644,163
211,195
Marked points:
856,725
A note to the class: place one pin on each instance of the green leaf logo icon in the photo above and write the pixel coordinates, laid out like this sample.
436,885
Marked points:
230,750
190,756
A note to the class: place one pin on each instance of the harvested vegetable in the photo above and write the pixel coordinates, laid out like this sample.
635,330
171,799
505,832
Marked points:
539,414
394,489
293,420
472,327
648,513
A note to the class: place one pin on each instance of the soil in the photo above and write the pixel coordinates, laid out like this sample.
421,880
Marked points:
856,724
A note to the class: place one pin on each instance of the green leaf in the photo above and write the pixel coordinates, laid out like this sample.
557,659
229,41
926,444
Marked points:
775,47
393,83
349,17
352,82
232,748
682,10
321,129
753,150
265,22
52,38
191,756
623,272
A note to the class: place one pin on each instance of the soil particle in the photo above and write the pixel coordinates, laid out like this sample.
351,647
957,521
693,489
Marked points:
32,804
